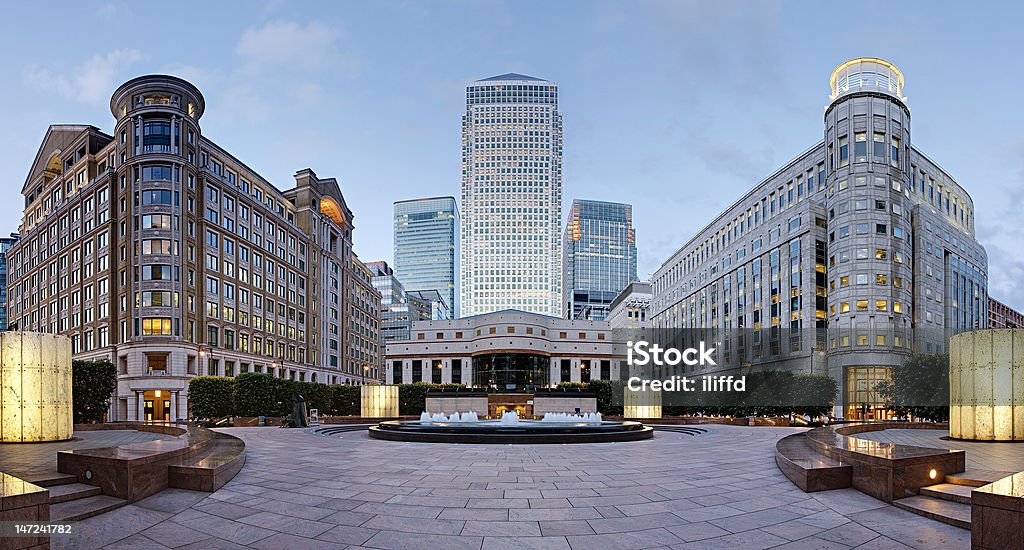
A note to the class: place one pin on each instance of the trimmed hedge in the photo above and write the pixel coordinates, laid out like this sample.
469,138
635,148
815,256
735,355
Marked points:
573,386
412,398
769,393
605,391
211,396
262,394
256,394
92,385
345,400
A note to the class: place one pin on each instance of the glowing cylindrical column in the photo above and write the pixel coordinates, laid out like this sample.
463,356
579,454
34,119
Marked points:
986,385
641,404
35,387
378,401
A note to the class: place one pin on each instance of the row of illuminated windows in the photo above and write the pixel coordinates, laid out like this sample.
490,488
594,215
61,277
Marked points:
865,340
881,279
880,306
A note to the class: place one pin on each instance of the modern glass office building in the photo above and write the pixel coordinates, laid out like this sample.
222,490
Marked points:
5,245
600,257
426,248
511,197
848,259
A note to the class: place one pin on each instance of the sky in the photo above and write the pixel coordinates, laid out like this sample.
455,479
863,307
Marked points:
675,107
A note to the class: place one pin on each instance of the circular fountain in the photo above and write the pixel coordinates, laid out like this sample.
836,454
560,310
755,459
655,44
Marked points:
551,428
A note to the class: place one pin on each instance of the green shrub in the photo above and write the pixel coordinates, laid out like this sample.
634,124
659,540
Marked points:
92,385
608,392
211,396
412,398
317,396
255,394
573,386
345,400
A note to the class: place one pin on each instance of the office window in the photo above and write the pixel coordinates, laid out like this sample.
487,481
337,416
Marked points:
878,149
860,147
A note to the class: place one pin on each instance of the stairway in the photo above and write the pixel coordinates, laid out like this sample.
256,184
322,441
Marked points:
950,502
73,501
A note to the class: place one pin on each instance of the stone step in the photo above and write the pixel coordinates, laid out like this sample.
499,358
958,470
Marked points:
950,492
976,478
49,479
71,491
76,510
950,513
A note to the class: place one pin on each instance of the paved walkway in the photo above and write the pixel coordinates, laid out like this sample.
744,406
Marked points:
34,458
981,455
719,490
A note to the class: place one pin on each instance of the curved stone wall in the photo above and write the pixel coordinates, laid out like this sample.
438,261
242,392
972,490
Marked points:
35,387
986,385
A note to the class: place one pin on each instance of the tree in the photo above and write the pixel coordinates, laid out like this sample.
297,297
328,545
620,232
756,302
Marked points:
92,385
919,387
814,394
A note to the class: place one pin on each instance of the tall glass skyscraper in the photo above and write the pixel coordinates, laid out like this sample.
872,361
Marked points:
511,196
426,251
600,257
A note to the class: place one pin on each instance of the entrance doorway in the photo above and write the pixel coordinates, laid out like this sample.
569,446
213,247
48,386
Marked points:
156,406
863,401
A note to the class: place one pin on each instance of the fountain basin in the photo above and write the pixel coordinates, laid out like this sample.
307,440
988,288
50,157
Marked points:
522,432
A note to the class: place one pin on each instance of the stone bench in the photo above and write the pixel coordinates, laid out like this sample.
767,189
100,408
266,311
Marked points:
136,471
886,471
808,469
209,469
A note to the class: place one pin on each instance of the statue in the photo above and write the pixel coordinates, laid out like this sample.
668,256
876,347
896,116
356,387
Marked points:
297,419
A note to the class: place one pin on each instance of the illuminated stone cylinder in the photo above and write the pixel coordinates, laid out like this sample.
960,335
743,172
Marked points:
641,404
35,387
378,401
986,385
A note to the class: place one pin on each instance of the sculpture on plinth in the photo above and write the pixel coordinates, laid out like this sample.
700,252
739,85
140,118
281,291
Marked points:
297,419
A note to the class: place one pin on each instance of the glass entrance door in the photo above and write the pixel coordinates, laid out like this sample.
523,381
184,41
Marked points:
863,401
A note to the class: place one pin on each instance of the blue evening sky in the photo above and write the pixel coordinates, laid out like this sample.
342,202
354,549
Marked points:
676,107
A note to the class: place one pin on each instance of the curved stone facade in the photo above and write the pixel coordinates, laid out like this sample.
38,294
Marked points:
848,259
463,351
986,385
156,248
35,387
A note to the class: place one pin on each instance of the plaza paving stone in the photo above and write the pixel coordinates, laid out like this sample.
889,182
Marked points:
718,490
37,458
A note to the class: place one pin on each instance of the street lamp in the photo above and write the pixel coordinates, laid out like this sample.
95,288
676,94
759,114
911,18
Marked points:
821,355
202,355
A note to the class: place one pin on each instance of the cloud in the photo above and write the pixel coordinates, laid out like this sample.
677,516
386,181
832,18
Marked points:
291,46
90,81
